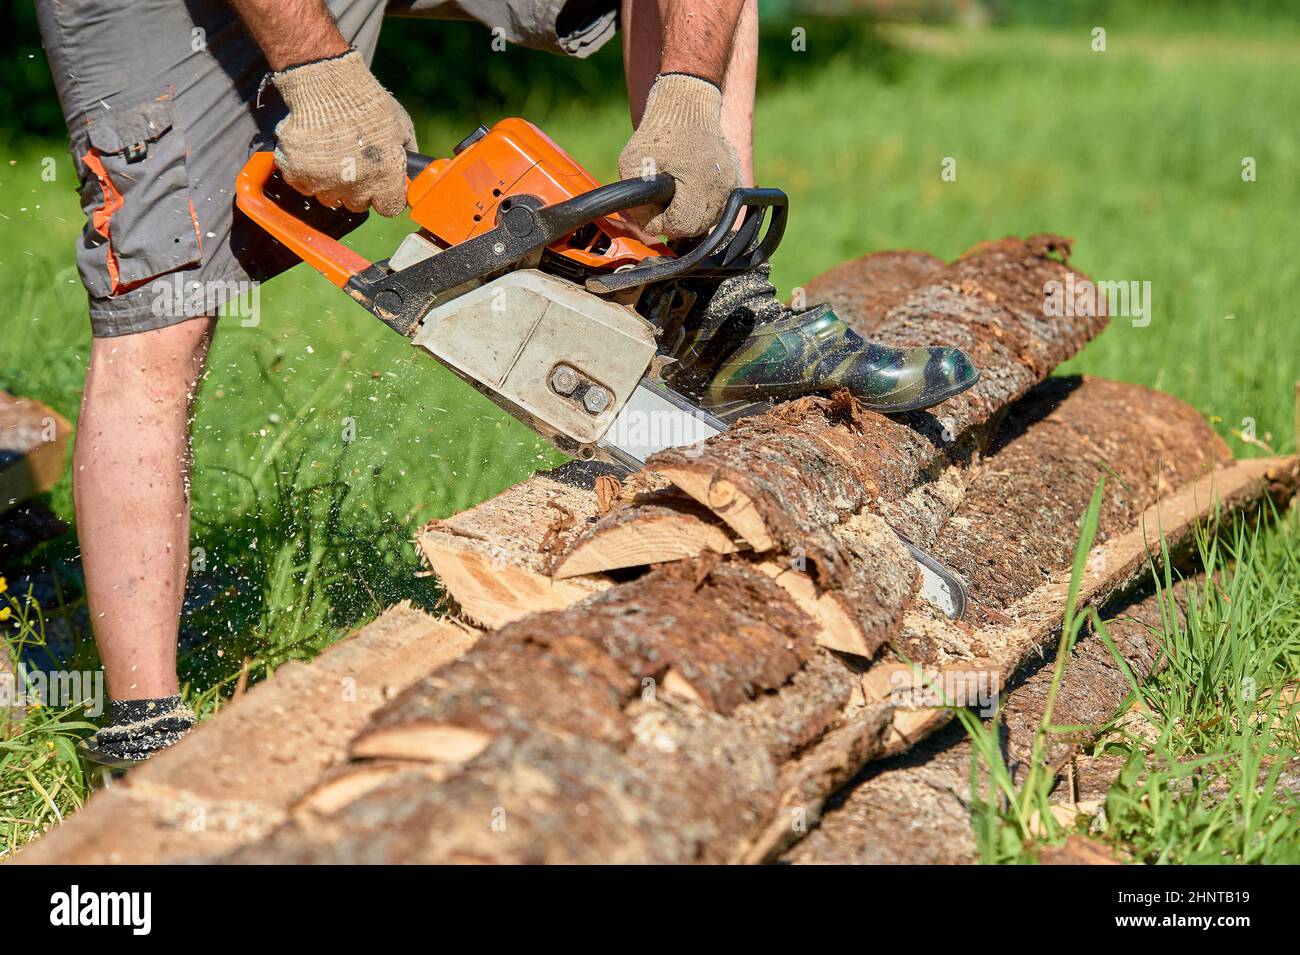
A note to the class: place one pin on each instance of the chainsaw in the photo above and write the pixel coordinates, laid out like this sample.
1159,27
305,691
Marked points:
526,282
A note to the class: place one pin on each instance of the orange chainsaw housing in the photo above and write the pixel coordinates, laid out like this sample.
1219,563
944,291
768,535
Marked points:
455,199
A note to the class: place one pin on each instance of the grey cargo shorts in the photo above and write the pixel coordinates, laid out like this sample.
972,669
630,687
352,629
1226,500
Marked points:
162,105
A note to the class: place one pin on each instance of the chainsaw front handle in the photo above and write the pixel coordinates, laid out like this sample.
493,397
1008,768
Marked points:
564,217
734,245
326,255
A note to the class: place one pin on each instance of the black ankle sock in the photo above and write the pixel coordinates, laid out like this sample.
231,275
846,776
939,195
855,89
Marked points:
139,728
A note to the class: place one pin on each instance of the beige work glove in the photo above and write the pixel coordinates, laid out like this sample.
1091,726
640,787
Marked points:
345,138
681,134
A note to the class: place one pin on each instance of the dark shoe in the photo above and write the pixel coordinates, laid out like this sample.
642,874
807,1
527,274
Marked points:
136,730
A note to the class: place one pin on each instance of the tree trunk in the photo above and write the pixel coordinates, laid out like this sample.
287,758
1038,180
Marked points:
685,715
915,808
236,776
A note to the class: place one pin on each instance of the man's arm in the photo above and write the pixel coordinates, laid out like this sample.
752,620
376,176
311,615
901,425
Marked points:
345,138
698,36
291,32
679,132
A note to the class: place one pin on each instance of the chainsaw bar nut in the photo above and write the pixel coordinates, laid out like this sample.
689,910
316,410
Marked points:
596,399
564,380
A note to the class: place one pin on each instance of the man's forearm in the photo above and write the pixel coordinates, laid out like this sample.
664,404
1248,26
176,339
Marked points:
291,32
698,36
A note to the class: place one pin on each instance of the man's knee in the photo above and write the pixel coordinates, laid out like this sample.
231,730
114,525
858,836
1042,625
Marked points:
165,361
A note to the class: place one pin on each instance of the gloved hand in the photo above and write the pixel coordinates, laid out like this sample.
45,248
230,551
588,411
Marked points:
681,134
345,138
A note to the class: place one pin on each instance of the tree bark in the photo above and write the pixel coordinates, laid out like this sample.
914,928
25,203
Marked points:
236,777
915,808
594,756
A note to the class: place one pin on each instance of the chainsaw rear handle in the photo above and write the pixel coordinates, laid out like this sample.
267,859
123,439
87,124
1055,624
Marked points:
339,264
326,255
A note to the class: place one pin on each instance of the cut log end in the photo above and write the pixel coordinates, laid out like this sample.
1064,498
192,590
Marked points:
356,780
674,684
726,500
837,627
659,535
494,593
422,742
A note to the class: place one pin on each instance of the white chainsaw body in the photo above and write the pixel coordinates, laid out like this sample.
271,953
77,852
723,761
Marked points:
571,365
564,360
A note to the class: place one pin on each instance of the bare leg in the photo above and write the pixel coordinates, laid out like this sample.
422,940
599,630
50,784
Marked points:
131,486
642,43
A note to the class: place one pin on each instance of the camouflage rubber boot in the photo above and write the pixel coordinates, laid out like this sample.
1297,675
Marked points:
815,352
747,347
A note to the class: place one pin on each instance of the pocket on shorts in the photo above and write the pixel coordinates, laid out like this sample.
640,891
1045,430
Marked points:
136,194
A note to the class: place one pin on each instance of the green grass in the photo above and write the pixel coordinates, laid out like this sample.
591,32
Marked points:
41,778
1135,152
1216,723
1220,720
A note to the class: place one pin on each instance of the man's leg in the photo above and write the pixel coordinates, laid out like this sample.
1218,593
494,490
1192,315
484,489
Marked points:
642,42
131,488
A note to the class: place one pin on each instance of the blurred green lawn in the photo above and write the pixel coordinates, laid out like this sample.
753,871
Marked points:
1135,152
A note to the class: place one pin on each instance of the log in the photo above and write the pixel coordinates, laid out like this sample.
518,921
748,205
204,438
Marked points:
890,727
237,775
33,445
915,808
593,759
786,478
493,559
